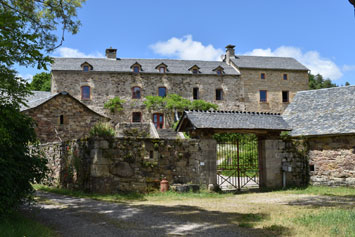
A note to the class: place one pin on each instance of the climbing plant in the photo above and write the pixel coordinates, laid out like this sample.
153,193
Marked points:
115,104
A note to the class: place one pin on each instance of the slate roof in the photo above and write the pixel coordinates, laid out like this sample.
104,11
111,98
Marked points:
234,120
148,65
322,112
40,97
261,62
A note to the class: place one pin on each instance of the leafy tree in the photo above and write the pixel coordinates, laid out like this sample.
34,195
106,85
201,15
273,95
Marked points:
27,35
317,82
173,104
115,104
347,84
41,82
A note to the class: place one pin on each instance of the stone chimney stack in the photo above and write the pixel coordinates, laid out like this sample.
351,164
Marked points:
230,53
111,53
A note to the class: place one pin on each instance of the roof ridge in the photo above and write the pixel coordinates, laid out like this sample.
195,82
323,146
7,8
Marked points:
233,111
323,89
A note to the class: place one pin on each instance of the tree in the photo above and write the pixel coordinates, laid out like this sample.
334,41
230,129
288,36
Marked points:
27,35
41,82
317,82
173,104
347,84
352,2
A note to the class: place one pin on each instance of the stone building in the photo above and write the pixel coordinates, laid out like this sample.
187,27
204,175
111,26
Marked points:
325,118
59,116
239,83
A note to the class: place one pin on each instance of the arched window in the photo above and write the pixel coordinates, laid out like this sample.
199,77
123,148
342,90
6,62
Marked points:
85,93
136,92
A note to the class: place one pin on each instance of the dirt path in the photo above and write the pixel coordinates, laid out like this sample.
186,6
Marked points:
84,217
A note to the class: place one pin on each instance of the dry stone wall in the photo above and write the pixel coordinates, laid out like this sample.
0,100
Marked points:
135,164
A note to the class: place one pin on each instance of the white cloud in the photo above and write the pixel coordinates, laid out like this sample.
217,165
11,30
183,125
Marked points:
347,68
310,59
75,53
186,48
27,77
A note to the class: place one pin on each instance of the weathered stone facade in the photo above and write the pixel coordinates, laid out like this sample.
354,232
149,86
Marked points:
332,160
106,85
62,118
136,164
274,84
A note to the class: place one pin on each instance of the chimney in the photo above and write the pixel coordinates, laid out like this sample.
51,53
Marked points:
111,53
230,53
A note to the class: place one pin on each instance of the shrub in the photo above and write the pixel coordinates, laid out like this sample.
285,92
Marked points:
104,130
115,104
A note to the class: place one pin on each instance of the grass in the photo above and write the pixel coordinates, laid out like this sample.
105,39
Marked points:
272,212
17,225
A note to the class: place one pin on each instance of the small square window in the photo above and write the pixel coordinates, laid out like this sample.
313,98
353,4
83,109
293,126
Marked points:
162,91
262,76
263,96
285,96
285,77
86,68
162,69
136,69
85,92
195,93
219,94
136,117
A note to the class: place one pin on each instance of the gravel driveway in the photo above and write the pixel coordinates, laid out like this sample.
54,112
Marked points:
70,216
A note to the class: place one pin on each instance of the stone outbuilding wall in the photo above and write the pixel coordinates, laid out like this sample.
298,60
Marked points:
332,160
132,164
63,118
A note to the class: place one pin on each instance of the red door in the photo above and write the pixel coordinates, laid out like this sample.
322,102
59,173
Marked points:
158,120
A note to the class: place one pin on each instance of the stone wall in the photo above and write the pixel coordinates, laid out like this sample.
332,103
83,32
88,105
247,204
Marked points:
133,130
333,160
77,119
136,164
106,85
274,84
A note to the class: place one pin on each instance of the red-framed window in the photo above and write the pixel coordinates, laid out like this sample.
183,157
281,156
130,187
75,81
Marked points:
136,117
158,120
85,93
136,92
263,95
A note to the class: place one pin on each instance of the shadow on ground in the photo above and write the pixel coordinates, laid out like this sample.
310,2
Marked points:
77,216
325,201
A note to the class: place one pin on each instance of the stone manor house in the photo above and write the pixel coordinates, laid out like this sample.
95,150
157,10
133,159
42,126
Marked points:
239,83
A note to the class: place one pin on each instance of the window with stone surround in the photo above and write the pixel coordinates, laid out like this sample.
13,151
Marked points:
263,95
285,77
136,117
136,67
285,96
86,66
162,91
136,92
219,94
85,93
262,76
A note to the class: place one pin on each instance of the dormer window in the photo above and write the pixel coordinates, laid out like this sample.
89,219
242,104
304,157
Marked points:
194,69
136,68
162,68
219,70
86,67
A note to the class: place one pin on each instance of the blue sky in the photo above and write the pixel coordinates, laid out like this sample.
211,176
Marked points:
319,33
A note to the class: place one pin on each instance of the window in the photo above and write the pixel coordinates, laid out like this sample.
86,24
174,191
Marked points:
195,93
285,97
162,91
285,77
262,76
219,72
263,96
61,119
219,94
158,120
86,68
136,117
195,71
136,69
136,92
85,92
162,69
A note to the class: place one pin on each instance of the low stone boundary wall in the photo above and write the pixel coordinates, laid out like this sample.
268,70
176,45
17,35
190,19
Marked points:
131,164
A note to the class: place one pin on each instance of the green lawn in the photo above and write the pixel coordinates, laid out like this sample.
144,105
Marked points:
17,225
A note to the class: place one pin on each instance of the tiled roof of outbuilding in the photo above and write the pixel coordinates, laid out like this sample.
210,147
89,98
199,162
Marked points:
148,65
322,112
261,62
235,120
